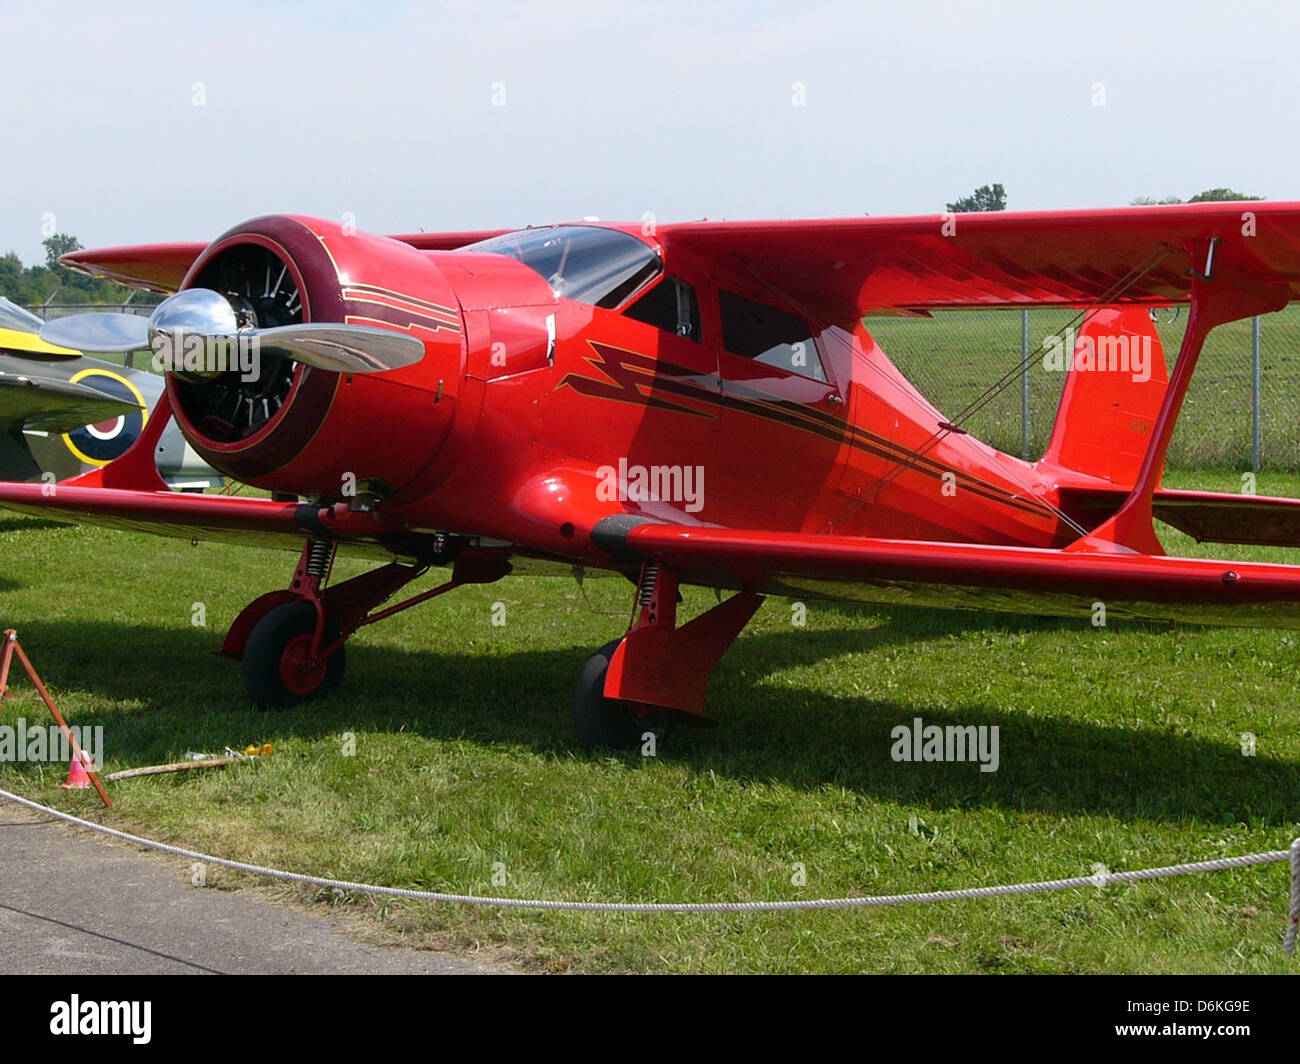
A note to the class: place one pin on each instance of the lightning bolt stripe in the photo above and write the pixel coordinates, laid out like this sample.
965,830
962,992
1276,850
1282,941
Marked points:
628,370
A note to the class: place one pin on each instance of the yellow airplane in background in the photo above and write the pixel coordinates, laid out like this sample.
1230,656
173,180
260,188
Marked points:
63,413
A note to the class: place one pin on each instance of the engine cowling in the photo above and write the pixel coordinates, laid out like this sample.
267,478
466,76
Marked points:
282,425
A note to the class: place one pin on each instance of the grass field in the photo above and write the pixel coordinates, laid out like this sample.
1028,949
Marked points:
1119,746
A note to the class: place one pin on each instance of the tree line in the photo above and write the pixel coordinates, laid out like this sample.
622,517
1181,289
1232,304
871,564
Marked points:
994,198
30,286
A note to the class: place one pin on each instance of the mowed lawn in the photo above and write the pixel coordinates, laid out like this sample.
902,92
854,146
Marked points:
1118,746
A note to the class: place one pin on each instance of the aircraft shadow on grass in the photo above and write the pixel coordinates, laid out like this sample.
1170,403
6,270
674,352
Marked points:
11,523
802,737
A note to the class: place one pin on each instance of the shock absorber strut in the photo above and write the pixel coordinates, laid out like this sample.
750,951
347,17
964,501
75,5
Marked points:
649,580
314,566
320,557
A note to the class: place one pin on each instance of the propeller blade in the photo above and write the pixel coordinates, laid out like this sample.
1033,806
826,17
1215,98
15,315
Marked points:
98,333
343,348
332,346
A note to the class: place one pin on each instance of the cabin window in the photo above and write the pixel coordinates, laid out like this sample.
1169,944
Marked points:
773,337
671,306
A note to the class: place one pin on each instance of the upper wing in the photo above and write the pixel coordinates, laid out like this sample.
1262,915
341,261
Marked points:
845,268
852,266
157,267
162,267
1012,579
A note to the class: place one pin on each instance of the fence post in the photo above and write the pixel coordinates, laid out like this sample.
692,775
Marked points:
1254,392
1024,385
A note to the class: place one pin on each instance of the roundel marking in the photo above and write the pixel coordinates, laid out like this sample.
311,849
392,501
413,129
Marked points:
102,442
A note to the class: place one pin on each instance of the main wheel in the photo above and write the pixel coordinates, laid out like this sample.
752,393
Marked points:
277,666
607,722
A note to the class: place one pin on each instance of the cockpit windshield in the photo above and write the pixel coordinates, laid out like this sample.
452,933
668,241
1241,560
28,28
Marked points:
580,262
14,317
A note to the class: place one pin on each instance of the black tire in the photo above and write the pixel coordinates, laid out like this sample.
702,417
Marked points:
264,664
607,723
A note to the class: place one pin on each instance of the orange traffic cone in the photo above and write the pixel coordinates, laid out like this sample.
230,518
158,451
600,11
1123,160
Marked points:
78,778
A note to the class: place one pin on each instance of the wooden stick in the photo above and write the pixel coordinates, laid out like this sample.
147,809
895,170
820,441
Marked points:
178,766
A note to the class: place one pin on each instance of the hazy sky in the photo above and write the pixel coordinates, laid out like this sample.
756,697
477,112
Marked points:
392,111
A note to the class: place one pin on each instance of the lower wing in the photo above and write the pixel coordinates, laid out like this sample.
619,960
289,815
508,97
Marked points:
222,518
795,564
960,575
1206,516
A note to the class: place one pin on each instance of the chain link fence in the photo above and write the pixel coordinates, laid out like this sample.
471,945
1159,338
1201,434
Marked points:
50,311
1240,412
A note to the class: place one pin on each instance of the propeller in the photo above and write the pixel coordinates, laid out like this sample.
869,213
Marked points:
333,346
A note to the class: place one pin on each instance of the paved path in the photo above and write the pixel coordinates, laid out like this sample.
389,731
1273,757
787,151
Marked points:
71,902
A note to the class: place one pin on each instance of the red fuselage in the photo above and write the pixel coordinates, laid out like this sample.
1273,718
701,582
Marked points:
533,397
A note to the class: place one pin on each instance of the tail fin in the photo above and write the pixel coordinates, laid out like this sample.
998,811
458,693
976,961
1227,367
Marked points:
1116,383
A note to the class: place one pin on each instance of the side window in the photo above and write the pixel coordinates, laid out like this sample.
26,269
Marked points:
773,337
671,306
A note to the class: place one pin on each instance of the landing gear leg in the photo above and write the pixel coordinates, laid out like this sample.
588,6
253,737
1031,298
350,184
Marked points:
608,722
290,644
655,676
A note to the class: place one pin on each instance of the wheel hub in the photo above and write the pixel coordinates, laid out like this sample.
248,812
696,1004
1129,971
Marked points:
300,672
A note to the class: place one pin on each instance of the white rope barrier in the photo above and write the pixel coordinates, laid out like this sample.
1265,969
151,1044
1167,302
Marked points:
1293,924
1100,879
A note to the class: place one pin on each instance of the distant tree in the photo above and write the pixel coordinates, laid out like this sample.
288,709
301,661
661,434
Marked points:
1210,195
1219,195
985,198
25,285
11,273
59,244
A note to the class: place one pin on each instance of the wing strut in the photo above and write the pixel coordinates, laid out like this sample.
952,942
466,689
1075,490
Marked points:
954,423
1214,300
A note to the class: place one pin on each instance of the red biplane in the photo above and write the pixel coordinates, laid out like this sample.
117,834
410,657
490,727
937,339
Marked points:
689,404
